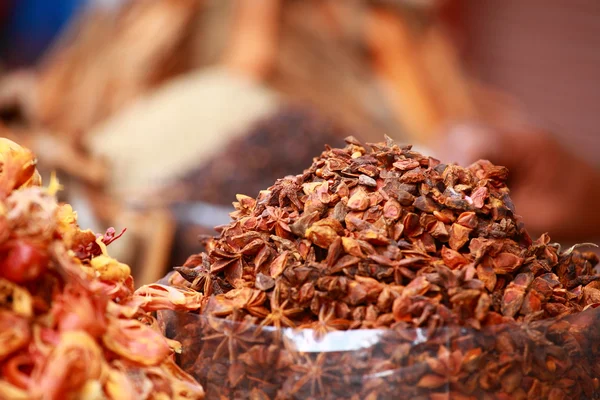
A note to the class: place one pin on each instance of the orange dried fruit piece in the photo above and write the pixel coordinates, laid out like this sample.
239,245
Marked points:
135,341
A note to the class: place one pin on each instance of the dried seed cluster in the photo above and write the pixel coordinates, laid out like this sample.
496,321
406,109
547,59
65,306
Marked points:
71,326
382,237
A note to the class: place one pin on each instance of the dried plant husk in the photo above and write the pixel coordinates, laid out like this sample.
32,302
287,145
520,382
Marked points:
71,326
385,273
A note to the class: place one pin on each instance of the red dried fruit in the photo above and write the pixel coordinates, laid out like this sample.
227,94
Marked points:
22,262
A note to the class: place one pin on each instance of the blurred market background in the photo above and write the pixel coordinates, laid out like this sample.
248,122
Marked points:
156,113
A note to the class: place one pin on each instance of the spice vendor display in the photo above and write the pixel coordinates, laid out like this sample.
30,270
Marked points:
71,326
380,273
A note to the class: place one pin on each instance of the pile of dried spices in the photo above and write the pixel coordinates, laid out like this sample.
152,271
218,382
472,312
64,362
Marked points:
71,326
279,144
380,273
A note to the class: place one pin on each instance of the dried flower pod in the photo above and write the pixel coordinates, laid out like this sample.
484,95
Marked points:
324,232
155,297
18,167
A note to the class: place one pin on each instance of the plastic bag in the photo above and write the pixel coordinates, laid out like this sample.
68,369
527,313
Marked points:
551,359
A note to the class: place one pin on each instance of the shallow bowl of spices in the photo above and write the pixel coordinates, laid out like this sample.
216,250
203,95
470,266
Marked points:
381,273
554,358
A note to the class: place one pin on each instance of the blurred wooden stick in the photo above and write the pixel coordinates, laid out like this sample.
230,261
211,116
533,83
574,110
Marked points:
253,42
445,73
59,154
158,231
422,72
395,60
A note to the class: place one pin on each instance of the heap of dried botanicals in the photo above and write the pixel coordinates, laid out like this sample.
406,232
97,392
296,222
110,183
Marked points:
277,145
380,236
71,326
280,144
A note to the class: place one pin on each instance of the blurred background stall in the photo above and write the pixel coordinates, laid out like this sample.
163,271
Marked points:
157,112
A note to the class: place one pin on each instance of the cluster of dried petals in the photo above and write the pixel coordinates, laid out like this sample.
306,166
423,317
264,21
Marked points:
71,325
380,236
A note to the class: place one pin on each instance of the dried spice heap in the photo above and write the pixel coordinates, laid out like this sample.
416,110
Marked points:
380,236
277,145
71,326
